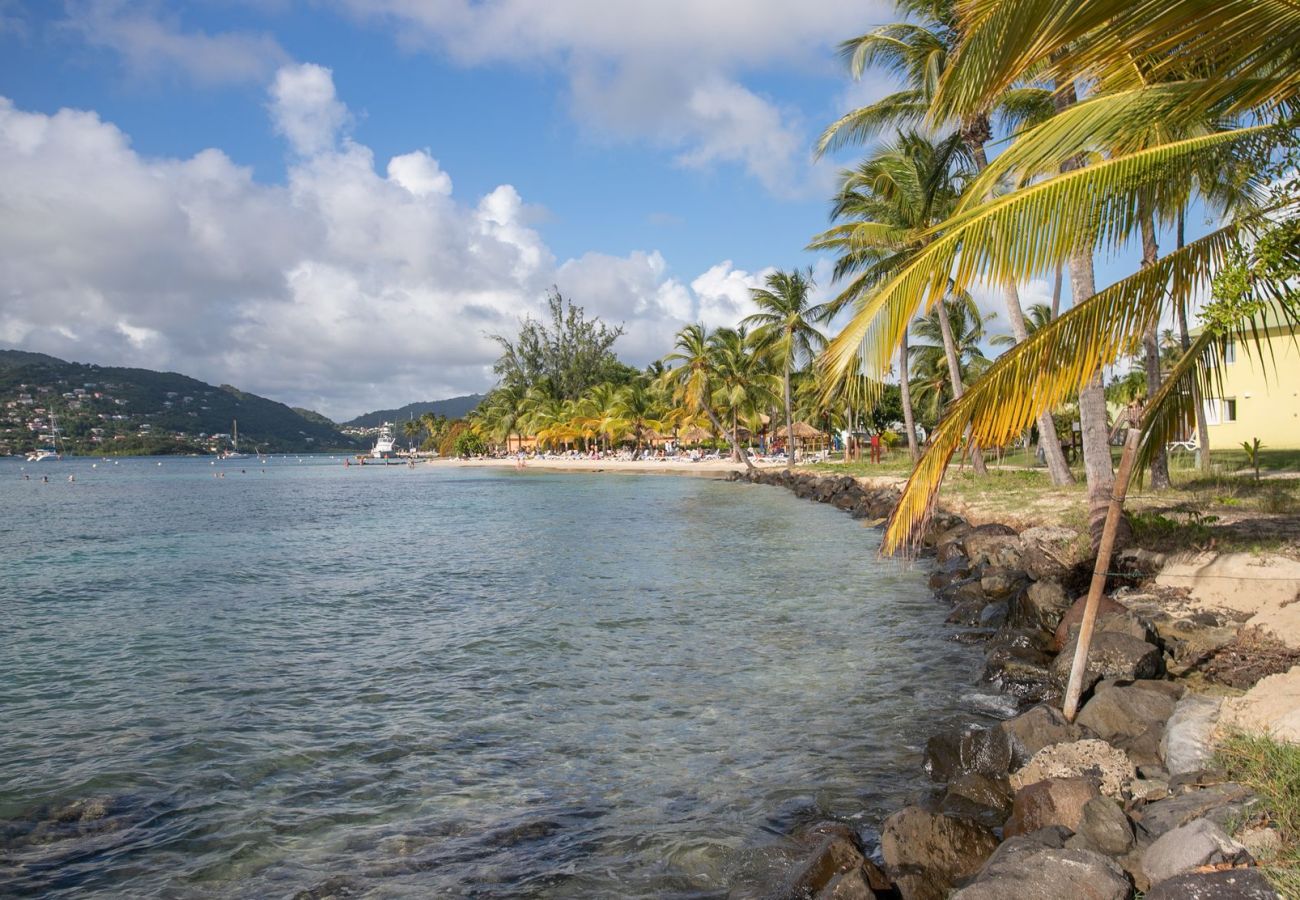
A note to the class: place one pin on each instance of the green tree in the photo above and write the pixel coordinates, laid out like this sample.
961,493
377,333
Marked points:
565,357
692,374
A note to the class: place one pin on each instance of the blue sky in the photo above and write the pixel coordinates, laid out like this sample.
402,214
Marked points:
331,202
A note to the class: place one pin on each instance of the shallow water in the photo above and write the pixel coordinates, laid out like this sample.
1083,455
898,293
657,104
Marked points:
443,682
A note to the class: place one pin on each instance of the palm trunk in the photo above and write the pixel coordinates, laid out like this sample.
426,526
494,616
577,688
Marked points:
1056,464
905,389
1097,466
954,375
735,449
1202,427
1151,341
789,418
1056,291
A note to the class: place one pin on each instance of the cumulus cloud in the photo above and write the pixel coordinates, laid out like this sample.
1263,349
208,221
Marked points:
356,284
150,42
672,71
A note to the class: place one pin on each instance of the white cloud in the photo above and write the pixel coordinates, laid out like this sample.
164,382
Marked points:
671,71
150,42
355,285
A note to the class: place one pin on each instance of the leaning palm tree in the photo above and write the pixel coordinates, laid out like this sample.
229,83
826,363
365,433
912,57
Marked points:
785,326
1230,58
693,376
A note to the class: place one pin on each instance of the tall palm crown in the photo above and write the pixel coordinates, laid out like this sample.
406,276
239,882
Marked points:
786,319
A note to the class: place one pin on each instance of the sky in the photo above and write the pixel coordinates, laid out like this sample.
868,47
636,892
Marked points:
333,203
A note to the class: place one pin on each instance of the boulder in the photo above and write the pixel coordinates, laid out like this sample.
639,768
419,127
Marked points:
927,854
1230,884
989,791
1103,827
1110,655
1000,584
1052,552
994,615
948,572
951,754
989,549
968,589
1198,843
1023,672
1035,729
1042,605
1088,758
1046,873
1053,801
831,856
1188,737
1220,803
1071,618
850,885
1126,711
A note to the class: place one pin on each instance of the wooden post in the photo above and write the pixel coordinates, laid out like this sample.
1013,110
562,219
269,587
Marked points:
1080,664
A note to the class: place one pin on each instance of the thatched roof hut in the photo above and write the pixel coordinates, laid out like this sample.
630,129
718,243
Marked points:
694,435
802,432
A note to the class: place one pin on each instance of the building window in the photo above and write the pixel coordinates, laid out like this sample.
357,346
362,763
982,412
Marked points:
1230,409
1230,351
1212,412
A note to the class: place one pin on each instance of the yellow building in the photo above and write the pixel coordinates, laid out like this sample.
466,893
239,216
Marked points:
1259,398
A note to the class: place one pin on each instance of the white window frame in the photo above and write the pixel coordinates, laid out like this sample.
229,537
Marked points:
1213,411
1225,416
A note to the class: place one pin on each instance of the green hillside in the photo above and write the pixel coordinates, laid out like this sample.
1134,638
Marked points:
452,408
111,410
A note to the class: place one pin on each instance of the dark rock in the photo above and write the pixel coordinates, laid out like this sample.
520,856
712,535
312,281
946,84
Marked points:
967,612
1000,584
1127,711
984,798
850,885
831,857
1052,552
1104,828
948,571
1053,801
1110,655
967,589
1022,672
999,550
951,754
1231,884
1041,606
1219,803
993,529
994,615
1035,729
927,855
1045,873
1073,616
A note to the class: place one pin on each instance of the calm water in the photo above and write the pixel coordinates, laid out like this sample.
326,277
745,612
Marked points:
442,682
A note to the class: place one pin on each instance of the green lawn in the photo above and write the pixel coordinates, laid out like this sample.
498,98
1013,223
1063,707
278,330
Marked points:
1272,769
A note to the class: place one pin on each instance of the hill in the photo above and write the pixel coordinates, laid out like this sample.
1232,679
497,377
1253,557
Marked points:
452,408
108,409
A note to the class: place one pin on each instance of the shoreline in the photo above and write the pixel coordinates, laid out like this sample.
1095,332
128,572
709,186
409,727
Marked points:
713,468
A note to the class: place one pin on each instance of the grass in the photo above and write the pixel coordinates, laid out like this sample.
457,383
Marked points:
1272,770
1234,460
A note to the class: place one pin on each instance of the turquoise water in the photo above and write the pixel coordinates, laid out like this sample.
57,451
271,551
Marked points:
442,682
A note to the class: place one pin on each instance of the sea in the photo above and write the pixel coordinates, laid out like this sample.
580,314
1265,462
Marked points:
291,678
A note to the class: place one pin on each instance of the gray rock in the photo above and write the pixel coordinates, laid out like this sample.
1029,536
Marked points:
951,754
1052,552
1035,729
999,584
1220,803
1110,655
1126,711
1185,745
984,798
927,854
1053,801
833,855
850,885
1000,550
967,612
1023,672
1231,884
1089,758
1044,873
1198,843
1103,827
1042,605
994,615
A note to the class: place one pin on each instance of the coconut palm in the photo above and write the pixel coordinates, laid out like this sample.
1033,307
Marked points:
1240,57
746,384
636,410
784,326
693,375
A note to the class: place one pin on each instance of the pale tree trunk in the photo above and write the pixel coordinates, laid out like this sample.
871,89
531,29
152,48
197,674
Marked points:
1202,427
1097,466
735,447
1056,291
1047,439
905,389
789,421
1151,341
954,375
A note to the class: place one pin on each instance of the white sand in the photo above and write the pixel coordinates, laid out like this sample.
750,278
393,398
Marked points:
713,468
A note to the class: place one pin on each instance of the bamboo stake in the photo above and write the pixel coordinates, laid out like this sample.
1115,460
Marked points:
1099,570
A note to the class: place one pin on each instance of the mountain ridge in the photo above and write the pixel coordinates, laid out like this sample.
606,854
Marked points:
451,407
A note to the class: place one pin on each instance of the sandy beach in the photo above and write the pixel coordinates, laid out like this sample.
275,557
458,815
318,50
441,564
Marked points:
712,468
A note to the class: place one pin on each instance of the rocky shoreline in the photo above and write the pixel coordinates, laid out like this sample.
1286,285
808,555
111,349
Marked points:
1123,799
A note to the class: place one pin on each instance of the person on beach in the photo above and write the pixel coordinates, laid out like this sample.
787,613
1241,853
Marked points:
875,447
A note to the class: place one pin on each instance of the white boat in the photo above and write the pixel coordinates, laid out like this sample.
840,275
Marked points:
42,454
385,447
233,452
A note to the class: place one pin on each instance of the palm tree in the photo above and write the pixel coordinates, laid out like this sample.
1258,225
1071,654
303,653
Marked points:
694,377
916,52
894,199
784,325
1231,58
966,325
411,428
636,410
745,381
